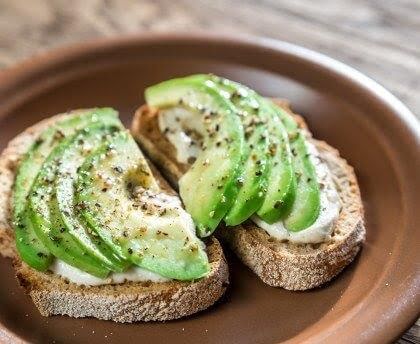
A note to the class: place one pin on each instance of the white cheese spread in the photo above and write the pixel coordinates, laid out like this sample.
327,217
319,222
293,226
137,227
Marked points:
177,123
134,274
183,130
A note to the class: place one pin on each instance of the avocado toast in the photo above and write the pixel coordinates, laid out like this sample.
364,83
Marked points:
66,184
287,204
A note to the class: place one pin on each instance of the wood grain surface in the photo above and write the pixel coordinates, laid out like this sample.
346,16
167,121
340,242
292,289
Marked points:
381,38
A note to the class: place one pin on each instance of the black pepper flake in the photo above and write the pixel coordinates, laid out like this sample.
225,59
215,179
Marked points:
104,190
58,135
130,250
191,159
278,204
56,239
272,148
39,141
258,173
81,205
118,169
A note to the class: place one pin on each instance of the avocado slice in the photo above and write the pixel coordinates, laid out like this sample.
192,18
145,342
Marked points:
29,247
306,207
209,188
124,204
66,174
31,250
257,165
275,196
74,246
282,184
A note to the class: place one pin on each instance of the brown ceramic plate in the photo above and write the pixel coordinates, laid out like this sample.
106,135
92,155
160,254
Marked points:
373,300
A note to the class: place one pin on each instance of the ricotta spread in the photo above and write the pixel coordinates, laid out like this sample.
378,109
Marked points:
134,274
183,130
177,124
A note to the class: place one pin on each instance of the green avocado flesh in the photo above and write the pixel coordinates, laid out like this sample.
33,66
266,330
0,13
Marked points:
210,186
30,248
66,173
123,203
275,178
70,244
306,207
84,194
275,193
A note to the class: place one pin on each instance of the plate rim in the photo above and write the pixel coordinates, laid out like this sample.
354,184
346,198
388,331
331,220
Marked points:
14,76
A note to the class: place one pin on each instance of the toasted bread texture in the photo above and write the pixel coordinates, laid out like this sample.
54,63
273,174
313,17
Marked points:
277,263
128,302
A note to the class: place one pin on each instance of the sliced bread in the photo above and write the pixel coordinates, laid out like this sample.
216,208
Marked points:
128,302
277,263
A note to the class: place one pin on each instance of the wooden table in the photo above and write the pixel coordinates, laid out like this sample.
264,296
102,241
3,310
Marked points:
381,38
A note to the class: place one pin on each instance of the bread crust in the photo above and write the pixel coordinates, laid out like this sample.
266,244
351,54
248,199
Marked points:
278,264
128,302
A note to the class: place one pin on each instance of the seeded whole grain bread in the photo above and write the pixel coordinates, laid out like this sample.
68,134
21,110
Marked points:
128,302
277,263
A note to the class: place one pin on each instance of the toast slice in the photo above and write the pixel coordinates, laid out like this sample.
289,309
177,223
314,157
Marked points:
277,263
128,302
